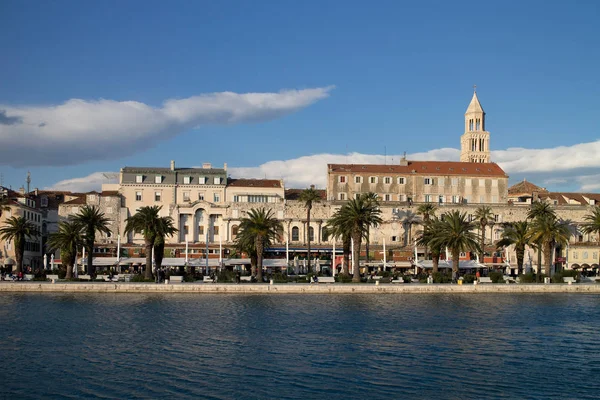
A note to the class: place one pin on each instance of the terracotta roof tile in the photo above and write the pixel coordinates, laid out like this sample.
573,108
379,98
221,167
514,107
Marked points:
110,193
424,168
525,187
264,183
76,201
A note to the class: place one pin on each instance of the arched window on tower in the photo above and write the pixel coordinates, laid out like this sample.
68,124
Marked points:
295,234
482,144
311,233
470,124
473,146
478,124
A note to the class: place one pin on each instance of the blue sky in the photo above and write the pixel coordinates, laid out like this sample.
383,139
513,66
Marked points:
363,79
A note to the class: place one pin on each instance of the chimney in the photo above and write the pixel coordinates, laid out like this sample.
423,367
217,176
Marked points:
37,191
404,161
172,165
206,165
225,166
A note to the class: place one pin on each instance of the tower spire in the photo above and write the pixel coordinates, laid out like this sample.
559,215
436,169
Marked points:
475,142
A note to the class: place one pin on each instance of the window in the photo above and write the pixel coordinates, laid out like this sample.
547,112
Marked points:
342,179
236,199
158,179
186,229
595,255
494,199
109,210
201,180
200,230
358,179
401,197
324,235
427,198
216,197
295,234
482,199
217,180
216,230
157,196
494,182
234,230
481,182
107,199
186,196
455,199
373,179
468,182
401,180
311,233
200,196
441,181
387,197
342,196
394,238
387,180
187,180
575,255
454,181
428,181
356,195
138,196
44,201
585,255
139,179
257,199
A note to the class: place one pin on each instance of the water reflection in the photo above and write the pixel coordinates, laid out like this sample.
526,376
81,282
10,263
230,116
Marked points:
292,347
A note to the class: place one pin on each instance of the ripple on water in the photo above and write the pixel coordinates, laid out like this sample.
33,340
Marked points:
297,347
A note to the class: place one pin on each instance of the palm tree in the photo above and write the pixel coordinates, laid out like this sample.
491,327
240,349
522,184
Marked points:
308,197
426,210
165,227
540,209
549,231
147,222
245,243
454,231
337,229
91,220
369,197
18,229
67,239
356,216
263,227
592,224
517,234
484,215
427,239
4,205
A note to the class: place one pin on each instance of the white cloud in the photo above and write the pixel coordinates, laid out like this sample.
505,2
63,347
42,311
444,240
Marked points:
560,167
79,130
86,184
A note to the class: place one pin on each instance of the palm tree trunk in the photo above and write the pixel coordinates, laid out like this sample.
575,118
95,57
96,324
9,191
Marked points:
520,256
259,257
356,237
148,271
308,235
455,261
90,255
548,259
346,250
539,261
19,251
436,262
482,244
69,274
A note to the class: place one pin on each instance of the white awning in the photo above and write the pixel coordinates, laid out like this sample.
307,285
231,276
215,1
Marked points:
462,264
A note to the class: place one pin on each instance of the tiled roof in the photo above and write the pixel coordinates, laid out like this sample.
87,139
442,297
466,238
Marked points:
110,193
525,187
76,201
169,171
423,168
568,198
294,194
263,183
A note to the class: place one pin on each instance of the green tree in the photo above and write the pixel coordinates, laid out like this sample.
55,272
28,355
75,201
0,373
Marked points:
592,224
427,210
309,197
337,230
164,228
455,232
484,215
263,227
18,229
540,209
427,239
67,239
356,216
517,234
549,231
91,220
145,221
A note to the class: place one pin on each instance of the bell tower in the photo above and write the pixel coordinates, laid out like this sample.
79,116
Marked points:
475,142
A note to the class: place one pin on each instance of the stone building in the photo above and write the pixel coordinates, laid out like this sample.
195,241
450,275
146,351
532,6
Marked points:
20,204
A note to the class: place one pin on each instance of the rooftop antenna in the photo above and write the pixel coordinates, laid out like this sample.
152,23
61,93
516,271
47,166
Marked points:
2,179
28,180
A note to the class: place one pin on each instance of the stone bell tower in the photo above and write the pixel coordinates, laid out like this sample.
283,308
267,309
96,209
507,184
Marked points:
475,142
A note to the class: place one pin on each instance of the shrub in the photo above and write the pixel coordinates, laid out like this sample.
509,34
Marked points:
384,274
343,278
406,278
140,278
557,278
441,277
468,278
278,277
569,273
527,278
226,276
496,277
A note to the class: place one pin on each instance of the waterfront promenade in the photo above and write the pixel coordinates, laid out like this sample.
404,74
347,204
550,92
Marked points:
288,288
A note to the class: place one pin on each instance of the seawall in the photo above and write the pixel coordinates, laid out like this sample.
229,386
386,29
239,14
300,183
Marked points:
289,288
